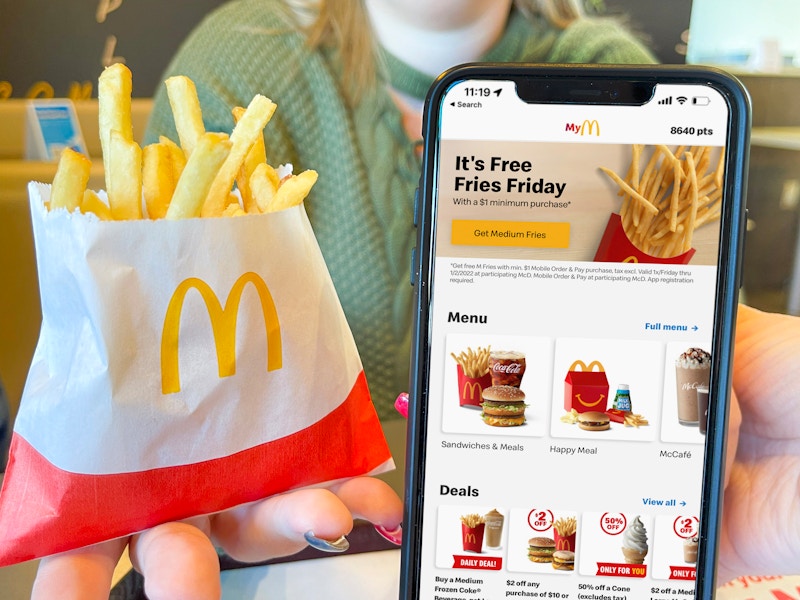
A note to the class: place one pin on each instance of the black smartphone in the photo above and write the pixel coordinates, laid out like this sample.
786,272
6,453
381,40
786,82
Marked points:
577,273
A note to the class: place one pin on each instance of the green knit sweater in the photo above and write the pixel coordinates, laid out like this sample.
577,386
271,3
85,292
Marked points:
361,207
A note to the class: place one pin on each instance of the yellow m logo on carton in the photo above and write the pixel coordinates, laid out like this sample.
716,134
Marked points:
223,326
472,391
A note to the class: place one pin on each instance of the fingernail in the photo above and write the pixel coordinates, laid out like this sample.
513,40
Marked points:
339,545
395,535
401,404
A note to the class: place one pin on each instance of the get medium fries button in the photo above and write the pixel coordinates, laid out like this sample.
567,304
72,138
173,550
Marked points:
528,234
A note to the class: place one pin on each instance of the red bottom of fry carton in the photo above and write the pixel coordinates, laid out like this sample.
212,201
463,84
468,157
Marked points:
616,247
45,510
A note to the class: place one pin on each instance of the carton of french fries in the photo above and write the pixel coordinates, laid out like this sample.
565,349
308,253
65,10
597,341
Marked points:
473,376
667,194
193,354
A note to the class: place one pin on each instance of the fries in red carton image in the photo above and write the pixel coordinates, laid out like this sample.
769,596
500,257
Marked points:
663,204
185,365
473,376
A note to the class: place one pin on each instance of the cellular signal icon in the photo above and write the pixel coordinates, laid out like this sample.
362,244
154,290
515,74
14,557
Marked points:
667,100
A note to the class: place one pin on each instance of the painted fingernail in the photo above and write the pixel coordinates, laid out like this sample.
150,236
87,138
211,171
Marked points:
339,545
401,404
395,535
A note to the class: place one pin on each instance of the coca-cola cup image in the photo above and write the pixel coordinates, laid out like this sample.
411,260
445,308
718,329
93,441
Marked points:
507,367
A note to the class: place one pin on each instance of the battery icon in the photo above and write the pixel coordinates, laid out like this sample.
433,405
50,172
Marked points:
701,101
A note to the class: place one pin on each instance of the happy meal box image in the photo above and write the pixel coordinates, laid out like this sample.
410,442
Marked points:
667,195
185,365
615,395
586,387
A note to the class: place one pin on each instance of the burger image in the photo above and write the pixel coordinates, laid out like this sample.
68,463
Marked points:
594,421
563,560
503,406
541,549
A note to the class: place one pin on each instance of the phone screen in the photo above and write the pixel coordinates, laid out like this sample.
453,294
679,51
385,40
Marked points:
573,271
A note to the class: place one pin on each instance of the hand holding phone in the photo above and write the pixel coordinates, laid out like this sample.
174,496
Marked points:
577,271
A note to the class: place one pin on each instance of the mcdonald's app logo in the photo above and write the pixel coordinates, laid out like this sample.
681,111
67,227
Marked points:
588,127
223,326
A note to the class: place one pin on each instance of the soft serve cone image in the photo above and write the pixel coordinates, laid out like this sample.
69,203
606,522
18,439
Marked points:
634,542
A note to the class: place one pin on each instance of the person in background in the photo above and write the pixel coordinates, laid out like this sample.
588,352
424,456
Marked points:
349,78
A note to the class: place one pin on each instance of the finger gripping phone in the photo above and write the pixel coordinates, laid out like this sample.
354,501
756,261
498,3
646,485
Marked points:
577,272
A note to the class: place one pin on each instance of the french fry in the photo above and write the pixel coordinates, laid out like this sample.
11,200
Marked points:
124,177
158,181
114,88
263,184
91,202
474,363
166,177
198,176
244,135
186,112
176,154
255,157
72,175
472,520
565,527
292,191
233,210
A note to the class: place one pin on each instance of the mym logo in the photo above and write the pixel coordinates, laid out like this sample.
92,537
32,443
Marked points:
588,127
223,326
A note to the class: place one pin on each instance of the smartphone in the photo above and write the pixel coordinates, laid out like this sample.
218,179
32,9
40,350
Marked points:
577,271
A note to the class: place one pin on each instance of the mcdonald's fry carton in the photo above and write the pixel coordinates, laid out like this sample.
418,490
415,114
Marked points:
586,387
470,389
183,368
615,246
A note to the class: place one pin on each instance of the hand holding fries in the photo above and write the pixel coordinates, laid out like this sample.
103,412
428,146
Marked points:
177,181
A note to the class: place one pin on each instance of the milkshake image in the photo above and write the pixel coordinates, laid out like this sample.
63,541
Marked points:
634,542
692,370
493,532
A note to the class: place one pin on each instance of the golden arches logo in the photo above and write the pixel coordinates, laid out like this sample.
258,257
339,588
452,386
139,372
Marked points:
223,326
563,544
589,125
471,390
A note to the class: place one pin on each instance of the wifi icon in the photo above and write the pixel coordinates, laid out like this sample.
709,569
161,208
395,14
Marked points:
681,99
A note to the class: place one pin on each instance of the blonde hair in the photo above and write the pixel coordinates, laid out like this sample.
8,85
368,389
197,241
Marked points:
343,27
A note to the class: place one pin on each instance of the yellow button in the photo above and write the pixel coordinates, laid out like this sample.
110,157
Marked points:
528,234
